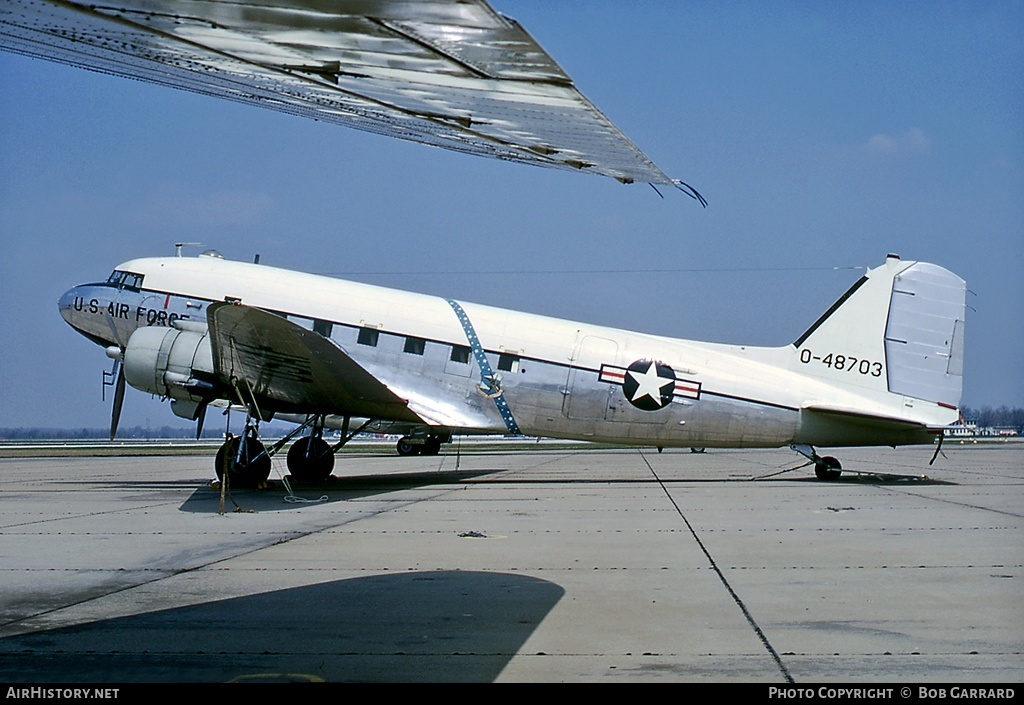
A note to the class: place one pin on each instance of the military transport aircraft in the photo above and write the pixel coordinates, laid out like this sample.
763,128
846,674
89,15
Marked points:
882,366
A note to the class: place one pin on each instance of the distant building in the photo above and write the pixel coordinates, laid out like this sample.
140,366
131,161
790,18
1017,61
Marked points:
962,429
970,429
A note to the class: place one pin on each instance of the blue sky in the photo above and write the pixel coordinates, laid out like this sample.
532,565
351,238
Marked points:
823,135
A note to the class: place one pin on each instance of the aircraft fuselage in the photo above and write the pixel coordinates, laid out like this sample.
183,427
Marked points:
476,368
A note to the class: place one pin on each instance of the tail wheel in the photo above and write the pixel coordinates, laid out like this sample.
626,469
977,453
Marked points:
310,459
828,468
249,469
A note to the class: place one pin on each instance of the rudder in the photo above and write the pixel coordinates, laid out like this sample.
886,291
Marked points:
924,336
898,330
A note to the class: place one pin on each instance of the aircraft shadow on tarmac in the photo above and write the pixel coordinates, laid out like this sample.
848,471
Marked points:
444,626
335,489
339,489
873,478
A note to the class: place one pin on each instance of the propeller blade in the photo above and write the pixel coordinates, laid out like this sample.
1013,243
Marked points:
115,414
200,418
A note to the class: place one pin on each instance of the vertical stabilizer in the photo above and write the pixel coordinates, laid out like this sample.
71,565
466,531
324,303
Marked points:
898,330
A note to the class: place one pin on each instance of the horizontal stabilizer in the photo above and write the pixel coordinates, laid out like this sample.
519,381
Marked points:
835,426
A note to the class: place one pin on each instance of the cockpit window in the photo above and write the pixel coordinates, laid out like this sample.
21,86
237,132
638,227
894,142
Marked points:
125,280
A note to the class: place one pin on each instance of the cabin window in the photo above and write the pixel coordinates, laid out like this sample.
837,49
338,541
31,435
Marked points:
415,346
324,328
125,280
460,353
368,336
508,363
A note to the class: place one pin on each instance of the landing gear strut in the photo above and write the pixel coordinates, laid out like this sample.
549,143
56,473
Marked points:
825,467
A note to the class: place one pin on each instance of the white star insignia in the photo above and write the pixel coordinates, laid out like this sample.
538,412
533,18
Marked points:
649,384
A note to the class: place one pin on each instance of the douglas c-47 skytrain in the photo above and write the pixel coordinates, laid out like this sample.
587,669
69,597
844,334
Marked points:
882,366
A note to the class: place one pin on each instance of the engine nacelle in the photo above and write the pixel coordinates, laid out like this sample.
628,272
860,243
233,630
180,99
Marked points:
171,362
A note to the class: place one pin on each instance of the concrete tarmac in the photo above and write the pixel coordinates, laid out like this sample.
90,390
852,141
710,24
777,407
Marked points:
536,564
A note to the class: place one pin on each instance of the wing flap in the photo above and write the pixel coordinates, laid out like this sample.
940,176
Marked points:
463,417
293,369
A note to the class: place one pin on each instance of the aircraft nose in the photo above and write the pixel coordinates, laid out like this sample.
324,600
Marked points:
66,304
75,305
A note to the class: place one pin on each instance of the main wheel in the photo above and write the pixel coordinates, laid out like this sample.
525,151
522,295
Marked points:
310,459
407,447
828,468
249,470
432,446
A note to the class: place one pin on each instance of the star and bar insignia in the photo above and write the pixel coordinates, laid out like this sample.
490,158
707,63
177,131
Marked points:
649,384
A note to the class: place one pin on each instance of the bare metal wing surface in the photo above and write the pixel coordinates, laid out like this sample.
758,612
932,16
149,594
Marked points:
449,73
270,357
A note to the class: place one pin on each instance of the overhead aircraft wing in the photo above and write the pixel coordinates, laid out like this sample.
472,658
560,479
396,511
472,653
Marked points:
449,73
271,359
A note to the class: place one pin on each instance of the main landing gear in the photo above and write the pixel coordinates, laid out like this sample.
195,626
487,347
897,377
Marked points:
421,445
310,458
244,458
825,467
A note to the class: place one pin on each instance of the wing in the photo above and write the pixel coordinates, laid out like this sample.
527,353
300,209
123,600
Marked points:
449,73
291,369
